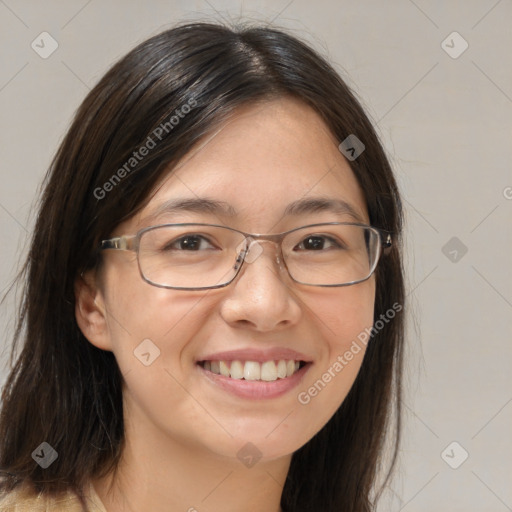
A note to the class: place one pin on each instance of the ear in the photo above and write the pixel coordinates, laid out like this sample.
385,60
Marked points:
90,311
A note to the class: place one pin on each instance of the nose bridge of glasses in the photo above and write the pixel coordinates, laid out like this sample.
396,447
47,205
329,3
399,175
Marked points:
252,248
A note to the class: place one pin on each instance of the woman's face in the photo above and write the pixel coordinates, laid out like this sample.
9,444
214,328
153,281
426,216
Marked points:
266,157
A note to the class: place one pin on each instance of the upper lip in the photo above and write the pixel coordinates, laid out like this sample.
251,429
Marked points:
258,355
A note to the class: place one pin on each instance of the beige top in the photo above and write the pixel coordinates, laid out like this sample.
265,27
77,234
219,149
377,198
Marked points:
21,500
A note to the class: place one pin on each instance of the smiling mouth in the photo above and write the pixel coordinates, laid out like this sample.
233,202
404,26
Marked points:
267,371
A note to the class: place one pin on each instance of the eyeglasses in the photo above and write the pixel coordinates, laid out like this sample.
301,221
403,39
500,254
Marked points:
193,256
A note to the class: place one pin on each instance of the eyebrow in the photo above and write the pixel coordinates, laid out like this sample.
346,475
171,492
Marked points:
322,204
221,208
193,205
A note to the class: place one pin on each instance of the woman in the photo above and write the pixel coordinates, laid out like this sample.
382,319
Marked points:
212,312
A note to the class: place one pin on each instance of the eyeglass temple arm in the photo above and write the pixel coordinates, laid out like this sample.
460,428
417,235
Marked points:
122,243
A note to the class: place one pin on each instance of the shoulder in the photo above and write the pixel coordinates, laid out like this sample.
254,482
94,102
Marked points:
20,499
24,499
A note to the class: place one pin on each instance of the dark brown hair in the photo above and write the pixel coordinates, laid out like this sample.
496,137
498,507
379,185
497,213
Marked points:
65,391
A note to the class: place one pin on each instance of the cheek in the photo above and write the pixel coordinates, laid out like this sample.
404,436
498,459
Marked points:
146,319
150,330
345,314
344,318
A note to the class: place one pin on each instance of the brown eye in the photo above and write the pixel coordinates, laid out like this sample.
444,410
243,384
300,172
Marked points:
318,243
188,243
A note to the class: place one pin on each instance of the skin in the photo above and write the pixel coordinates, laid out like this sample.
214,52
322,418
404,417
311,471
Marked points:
182,432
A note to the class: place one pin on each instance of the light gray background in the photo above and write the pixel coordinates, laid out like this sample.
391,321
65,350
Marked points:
447,125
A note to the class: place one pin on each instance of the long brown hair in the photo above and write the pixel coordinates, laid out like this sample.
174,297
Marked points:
65,391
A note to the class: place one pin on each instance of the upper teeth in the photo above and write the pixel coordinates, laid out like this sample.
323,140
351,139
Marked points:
252,370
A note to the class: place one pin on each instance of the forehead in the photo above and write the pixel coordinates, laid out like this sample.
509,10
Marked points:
265,158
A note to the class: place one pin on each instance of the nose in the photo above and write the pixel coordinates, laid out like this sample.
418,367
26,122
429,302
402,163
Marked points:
261,296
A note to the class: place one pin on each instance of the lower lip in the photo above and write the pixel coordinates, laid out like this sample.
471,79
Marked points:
256,389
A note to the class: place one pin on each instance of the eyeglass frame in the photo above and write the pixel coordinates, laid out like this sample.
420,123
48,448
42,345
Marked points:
132,243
